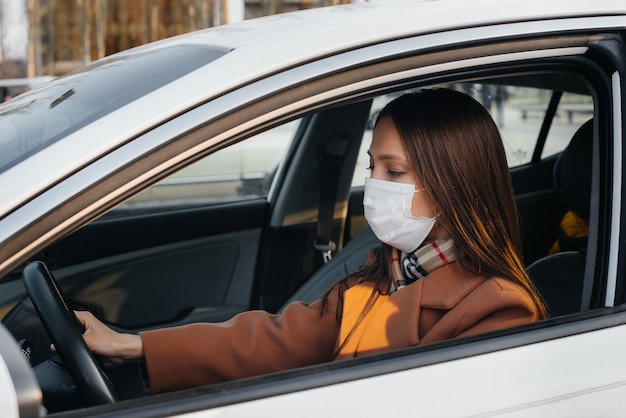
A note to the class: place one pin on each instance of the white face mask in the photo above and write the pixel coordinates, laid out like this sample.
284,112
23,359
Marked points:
387,207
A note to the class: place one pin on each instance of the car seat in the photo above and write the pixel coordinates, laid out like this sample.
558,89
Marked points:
345,262
573,177
559,277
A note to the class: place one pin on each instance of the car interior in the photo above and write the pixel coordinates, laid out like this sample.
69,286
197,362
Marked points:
164,261
559,275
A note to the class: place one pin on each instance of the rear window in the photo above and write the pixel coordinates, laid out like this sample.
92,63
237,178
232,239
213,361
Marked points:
71,102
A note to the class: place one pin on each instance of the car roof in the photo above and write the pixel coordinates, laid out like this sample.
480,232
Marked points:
258,48
357,23
275,42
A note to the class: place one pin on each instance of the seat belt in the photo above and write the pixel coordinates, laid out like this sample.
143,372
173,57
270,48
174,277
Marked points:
332,155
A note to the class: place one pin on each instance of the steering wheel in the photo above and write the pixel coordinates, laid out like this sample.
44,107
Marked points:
66,334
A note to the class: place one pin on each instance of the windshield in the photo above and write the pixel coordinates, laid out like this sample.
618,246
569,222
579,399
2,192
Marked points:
39,118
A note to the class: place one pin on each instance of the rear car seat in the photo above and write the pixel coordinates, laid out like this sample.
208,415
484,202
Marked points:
559,277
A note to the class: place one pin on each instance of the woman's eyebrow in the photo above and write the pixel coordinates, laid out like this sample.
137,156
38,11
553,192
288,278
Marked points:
394,157
389,157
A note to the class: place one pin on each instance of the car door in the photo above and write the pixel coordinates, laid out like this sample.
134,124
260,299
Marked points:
544,368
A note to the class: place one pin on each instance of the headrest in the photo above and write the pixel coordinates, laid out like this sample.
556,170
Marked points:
576,170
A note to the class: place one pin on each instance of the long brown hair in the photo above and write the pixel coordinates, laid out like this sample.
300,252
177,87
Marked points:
455,146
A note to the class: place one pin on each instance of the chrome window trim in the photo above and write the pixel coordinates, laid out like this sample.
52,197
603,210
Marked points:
616,209
455,65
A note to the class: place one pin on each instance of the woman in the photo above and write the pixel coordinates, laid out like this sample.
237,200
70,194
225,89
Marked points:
441,202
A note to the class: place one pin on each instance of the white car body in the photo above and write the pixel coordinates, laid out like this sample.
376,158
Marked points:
570,368
501,384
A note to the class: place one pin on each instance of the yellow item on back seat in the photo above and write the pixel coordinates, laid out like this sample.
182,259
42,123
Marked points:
573,231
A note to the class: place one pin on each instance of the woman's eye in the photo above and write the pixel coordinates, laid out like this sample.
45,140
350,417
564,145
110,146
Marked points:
394,173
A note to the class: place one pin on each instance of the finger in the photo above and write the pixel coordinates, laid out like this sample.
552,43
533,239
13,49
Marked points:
84,318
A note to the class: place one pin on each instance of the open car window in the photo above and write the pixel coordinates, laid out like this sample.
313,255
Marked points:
519,112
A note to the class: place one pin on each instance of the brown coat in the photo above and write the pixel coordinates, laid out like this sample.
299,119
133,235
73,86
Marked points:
448,303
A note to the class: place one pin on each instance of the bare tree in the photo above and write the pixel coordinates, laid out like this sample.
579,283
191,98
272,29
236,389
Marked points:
205,14
149,20
154,20
100,20
190,19
85,17
217,13
36,11
92,15
51,41
123,18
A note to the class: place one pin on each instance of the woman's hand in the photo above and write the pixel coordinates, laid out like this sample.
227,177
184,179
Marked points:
105,342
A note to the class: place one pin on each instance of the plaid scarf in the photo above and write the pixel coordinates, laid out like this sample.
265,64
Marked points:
408,268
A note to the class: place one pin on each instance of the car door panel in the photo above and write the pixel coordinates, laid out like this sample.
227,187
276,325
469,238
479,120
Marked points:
152,270
123,232
174,266
560,391
165,284
549,379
